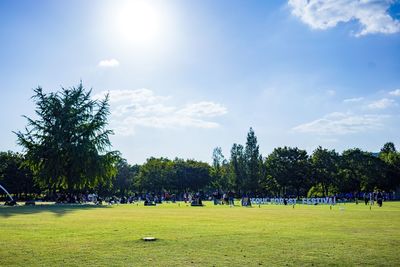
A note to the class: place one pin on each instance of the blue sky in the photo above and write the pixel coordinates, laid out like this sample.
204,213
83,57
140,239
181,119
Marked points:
187,76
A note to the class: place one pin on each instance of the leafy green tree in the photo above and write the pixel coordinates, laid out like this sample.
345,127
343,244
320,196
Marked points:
391,158
153,175
220,171
159,174
360,171
350,170
238,165
269,184
218,160
388,147
289,168
124,180
190,175
247,165
67,147
198,175
15,176
179,178
325,166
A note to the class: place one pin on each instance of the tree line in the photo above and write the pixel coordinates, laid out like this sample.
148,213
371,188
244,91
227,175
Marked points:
67,150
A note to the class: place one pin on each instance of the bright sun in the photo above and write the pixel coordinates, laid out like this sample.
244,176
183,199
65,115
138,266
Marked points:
138,22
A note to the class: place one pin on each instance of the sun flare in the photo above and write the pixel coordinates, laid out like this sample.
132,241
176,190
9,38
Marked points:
138,22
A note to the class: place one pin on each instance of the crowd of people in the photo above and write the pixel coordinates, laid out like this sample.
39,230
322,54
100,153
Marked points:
218,197
372,197
223,198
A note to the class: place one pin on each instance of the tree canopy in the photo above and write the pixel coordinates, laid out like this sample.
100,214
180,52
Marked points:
290,169
161,174
67,146
325,167
67,149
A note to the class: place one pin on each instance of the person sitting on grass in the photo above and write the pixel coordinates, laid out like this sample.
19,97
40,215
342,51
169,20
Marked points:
197,200
246,201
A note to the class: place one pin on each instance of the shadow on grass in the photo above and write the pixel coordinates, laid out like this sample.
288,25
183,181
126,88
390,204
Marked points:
57,209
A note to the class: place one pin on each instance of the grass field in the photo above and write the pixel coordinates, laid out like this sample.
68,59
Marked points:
347,235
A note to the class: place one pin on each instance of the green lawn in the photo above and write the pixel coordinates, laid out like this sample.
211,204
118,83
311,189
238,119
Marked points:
50,235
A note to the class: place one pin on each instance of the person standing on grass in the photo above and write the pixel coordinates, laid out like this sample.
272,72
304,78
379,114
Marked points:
371,199
219,196
215,197
231,199
366,198
379,198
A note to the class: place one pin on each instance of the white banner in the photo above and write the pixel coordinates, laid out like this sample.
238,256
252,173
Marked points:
319,200
293,201
276,201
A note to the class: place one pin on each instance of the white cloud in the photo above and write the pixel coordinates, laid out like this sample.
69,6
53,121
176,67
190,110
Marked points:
142,95
133,108
342,123
108,63
372,15
382,103
395,92
331,92
353,100
203,109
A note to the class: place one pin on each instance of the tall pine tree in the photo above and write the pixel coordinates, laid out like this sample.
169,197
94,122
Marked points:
67,147
253,163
